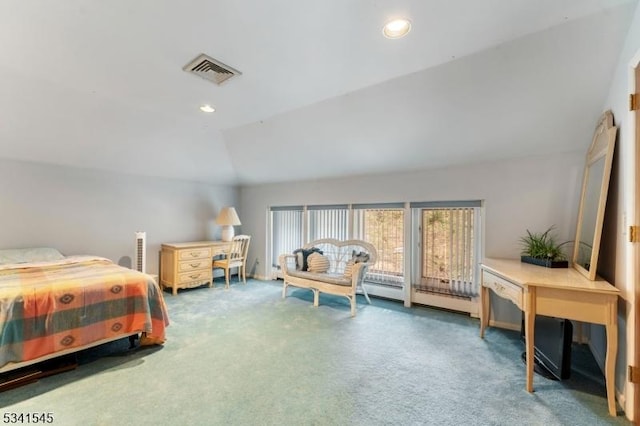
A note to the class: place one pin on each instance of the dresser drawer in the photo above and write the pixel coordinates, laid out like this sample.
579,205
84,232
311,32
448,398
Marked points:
194,276
219,249
195,253
193,265
503,288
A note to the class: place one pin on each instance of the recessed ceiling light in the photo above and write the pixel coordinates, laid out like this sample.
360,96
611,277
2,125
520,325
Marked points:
396,28
207,108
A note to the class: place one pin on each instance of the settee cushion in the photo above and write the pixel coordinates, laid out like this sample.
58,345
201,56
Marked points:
337,279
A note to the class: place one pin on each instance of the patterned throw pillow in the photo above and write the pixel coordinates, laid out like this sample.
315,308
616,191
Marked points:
302,255
318,263
362,256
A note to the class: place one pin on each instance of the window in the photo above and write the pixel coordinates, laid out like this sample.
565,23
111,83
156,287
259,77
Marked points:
443,248
380,224
328,222
383,226
286,231
448,253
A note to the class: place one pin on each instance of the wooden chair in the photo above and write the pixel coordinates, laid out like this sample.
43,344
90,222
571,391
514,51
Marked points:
235,257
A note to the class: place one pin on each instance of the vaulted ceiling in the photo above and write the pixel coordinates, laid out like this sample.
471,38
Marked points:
100,84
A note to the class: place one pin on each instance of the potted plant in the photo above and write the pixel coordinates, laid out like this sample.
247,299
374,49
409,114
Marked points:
542,249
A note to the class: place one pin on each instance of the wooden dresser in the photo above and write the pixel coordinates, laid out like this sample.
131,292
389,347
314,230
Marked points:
186,265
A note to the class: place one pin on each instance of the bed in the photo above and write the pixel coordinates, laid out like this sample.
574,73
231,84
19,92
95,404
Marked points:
52,305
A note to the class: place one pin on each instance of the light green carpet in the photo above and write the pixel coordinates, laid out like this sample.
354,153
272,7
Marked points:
244,356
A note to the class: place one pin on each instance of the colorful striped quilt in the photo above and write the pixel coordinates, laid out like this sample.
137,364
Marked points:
47,307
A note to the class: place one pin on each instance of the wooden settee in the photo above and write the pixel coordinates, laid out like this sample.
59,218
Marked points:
334,280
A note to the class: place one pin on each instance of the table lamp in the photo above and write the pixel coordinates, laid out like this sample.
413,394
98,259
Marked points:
228,218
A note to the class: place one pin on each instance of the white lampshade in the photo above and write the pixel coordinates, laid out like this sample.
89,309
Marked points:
228,218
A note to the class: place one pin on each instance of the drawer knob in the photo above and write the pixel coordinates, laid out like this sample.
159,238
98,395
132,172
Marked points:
194,276
194,265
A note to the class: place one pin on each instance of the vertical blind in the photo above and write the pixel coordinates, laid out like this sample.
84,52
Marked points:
448,254
448,236
383,227
286,232
328,222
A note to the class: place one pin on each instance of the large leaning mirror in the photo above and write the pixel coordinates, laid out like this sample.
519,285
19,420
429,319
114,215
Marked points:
595,185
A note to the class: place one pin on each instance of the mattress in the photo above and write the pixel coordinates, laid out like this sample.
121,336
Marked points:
56,306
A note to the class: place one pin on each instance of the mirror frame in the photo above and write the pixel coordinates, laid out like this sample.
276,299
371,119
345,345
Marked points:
602,145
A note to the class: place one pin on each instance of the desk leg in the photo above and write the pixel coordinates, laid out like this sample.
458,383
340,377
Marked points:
529,332
485,309
610,360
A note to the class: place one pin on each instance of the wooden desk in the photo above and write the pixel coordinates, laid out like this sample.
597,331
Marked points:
562,293
186,265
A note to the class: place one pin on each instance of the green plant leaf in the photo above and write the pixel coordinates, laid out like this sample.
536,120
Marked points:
542,245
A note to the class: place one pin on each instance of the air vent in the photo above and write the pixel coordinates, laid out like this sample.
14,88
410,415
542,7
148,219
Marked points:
210,69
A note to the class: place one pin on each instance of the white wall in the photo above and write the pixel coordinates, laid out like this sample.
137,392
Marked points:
82,211
616,251
531,193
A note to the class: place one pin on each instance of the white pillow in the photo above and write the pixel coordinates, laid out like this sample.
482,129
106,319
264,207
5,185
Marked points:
318,263
28,255
348,268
